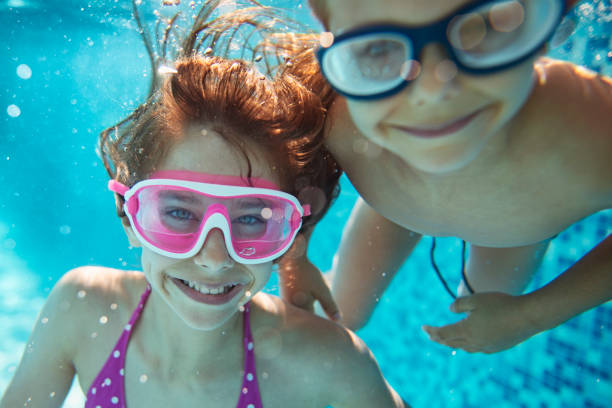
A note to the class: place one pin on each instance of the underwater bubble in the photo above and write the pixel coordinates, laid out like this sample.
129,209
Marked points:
446,70
143,378
9,243
313,196
113,306
507,17
326,39
24,71
65,229
410,70
248,293
103,319
605,12
81,294
13,111
16,3
266,213
52,394
563,32
44,320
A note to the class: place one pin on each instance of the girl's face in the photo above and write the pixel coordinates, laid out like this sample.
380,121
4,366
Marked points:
442,120
209,288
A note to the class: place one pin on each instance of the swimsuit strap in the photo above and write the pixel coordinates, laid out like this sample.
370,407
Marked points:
249,393
109,384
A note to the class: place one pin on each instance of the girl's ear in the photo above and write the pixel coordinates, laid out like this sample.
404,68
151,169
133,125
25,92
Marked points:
131,236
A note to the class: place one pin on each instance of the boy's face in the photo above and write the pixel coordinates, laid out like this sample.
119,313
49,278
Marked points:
441,121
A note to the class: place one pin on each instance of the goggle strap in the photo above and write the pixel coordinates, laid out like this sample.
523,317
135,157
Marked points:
306,208
117,187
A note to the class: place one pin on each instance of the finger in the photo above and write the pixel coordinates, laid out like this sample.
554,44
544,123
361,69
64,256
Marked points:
463,304
329,305
302,300
454,343
453,331
433,333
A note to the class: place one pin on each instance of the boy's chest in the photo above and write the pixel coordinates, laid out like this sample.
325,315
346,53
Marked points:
509,205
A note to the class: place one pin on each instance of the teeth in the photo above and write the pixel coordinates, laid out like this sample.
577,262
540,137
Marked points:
211,291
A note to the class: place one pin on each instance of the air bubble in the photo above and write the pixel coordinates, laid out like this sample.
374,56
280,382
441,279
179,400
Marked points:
24,71
13,111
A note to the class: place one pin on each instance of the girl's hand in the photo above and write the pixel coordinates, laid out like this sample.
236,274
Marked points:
495,322
301,283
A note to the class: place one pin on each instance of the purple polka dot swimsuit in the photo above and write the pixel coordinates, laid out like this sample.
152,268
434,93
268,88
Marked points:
107,390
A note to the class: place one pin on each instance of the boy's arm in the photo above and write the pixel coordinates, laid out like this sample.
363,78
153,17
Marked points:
497,321
302,283
45,372
371,251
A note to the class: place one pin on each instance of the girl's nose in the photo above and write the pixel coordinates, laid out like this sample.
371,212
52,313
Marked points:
213,255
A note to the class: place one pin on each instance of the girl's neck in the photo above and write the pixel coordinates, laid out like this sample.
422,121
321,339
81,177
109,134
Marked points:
179,348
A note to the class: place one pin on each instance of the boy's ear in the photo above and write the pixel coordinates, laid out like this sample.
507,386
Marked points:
131,236
570,3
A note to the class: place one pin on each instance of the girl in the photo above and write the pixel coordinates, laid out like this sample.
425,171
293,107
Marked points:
206,175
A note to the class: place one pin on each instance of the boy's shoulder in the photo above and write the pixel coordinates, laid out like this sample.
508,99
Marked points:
569,112
572,89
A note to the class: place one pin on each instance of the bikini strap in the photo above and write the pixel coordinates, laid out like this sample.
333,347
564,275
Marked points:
249,393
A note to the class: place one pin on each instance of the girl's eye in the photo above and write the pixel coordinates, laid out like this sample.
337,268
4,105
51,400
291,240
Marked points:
181,214
248,220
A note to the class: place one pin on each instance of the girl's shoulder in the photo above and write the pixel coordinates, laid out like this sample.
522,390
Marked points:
91,296
92,287
314,352
304,335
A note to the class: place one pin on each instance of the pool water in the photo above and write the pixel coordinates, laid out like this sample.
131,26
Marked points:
71,68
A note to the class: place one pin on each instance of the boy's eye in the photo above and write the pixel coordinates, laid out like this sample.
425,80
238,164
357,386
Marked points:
378,49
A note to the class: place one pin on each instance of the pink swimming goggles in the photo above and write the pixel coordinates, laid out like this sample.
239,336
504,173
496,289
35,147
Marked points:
172,213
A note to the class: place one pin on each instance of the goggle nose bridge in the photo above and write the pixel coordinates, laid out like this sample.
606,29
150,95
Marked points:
216,216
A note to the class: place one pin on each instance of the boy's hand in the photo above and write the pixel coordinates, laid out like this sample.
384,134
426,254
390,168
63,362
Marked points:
301,283
495,322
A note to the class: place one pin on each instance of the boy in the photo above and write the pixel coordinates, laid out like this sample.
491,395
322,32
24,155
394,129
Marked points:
451,125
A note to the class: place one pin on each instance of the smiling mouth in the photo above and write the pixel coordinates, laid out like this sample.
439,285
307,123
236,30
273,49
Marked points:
212,296
442,129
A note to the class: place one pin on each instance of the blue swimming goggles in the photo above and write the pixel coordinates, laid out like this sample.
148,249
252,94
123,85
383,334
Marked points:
484,37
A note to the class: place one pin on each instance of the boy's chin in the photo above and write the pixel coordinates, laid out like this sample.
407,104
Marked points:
441,164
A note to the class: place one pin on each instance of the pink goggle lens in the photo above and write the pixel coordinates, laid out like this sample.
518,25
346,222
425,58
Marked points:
172,218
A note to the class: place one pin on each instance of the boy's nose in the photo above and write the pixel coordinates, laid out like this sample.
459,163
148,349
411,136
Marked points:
213,255
437,72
